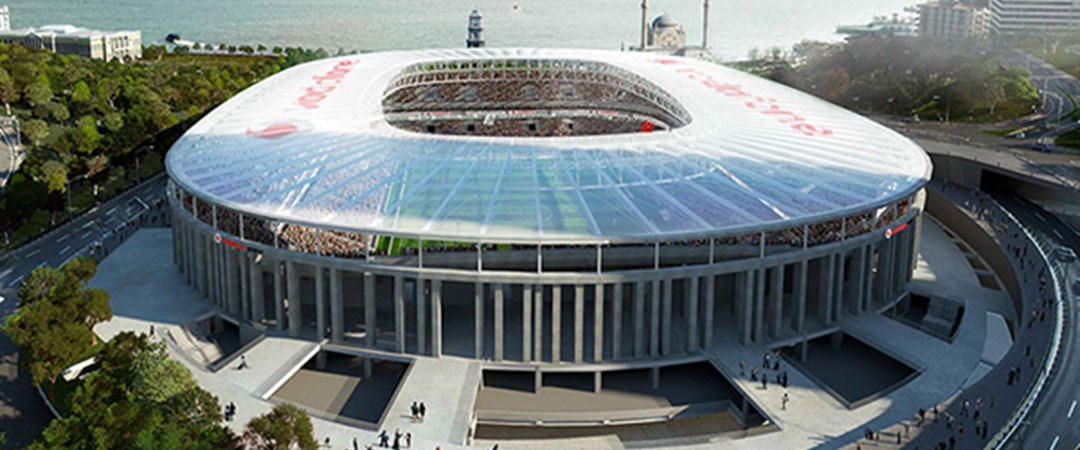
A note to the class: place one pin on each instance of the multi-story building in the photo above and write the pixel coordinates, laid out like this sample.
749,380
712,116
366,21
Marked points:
946,19
72,40
1022,16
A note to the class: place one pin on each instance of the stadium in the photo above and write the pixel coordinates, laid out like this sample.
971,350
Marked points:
542,207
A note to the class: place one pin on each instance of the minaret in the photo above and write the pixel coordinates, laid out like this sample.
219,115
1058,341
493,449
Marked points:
705,34
644,23
476,38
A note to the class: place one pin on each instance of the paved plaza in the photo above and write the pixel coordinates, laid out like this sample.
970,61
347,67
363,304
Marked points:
147,289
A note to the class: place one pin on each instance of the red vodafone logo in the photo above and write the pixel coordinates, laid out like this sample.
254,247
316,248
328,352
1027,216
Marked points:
273,131
323,85
217,238
666,61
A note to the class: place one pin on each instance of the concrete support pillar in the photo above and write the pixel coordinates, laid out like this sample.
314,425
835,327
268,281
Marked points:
538,328
639,319
710,310
526,322
436,318
279,296
839,289
500,292
885,266
478,320
320,303
538,380
759,305
202,267
616,321
421,316
598,381
579,323
776,301
692,316
292,276
258,299
337,306
598,324
556,324
746,302
399,313
654,329
800,295
828,279
371,329
868,284
665,340
232,281
654,378
177,257
245,285
858,280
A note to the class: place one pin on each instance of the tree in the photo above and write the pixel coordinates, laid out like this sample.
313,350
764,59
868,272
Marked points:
80,92
24,195
286,427
38,92
157,378
35,131
55,175
8,92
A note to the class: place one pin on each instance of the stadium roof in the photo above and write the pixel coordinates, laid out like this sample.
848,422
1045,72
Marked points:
310,146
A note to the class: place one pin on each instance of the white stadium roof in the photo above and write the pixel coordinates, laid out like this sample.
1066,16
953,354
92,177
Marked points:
311,146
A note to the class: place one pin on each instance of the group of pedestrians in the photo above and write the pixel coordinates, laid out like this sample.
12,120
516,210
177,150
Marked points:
230,411
400,440
418,410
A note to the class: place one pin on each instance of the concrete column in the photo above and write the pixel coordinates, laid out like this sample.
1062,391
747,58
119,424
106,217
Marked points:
639,319
759,305
868,284
598,381
258,299
838,287
538,329
478,320
556,324
202,267
654,328
500,292
800,295
292,276
692,317
710,310
337,306
399,313
825,302
579,323
279,296
436,318
371,329
421,317
242,266
665,341
885,266
526,322
177,257
232,281
616,322
858,280
320,302
598,324
776,300
746,316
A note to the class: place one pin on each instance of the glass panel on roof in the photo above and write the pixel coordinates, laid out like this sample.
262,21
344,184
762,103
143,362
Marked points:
514,210
662,211
711,211
720,185
612,214
561,214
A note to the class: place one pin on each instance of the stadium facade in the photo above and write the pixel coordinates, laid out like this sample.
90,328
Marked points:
542,206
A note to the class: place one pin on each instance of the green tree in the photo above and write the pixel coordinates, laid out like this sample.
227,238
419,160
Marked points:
8,92
157,378
24,195
80,92
286,427
38,92
55,175
35,131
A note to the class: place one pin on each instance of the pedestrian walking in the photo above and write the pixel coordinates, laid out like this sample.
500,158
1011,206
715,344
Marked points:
384,439
784,401
753,374
355,445
764,382
243,363
784,380
765,360
742,368
408,440
423,411
414,411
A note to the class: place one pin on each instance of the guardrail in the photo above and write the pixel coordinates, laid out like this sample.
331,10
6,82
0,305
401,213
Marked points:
1007,432
602,418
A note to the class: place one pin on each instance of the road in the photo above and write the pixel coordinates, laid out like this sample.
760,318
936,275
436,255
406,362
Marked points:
1058,91
22,412
1054,423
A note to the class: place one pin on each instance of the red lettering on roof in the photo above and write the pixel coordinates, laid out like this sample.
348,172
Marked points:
324,85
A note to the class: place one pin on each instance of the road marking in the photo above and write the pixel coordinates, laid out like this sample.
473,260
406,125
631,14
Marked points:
1071,408
87,234
63,238
13,283
1040,217
110,211
1054,444
31,254
65,249
88,224
5,273
1059,235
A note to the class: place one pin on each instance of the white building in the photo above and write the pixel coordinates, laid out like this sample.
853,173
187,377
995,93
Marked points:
953,19
5,18
666,35
72,40
1022,16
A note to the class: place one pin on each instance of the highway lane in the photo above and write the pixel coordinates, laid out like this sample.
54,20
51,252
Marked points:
1054,423
23,414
